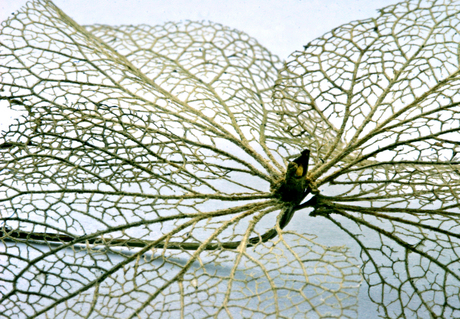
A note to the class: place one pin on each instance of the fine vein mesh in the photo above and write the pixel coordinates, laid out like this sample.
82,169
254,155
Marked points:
131,138
385,92
134,137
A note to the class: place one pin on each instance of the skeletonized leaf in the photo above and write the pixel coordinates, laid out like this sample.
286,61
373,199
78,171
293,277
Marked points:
147,160
380,98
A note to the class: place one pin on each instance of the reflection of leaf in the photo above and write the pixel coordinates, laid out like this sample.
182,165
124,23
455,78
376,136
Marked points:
267,281
143,147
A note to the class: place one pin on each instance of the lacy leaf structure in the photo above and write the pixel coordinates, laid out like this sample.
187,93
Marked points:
154,172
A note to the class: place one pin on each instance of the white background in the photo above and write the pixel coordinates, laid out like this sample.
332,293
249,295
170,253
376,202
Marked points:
282,26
